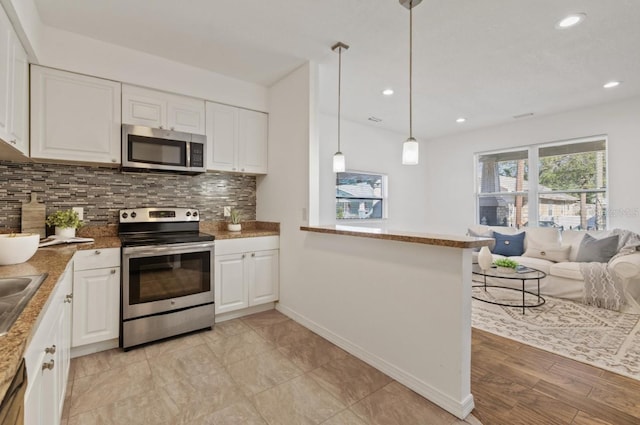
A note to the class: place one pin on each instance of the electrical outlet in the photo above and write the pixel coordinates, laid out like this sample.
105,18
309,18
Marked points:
227,211
80,211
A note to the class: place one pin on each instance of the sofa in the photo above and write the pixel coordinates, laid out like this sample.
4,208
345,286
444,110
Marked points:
564,278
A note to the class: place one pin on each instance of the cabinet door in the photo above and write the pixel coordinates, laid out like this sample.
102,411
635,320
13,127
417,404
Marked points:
19,112
264,277
222,136
230,281
74,117
253,133
96,306
64,297
186,114
6,32
141,107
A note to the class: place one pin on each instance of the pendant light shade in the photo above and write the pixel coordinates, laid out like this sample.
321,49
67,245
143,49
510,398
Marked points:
410,152
410,148
339,163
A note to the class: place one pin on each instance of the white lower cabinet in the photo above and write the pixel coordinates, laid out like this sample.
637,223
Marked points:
47,357
246,272
96,291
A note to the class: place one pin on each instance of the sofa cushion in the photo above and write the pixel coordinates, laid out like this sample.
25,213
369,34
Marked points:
597,250
543,237
573,238
567,269
508,245
552,252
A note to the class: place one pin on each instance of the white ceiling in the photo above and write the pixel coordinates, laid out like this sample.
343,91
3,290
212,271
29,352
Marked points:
485,60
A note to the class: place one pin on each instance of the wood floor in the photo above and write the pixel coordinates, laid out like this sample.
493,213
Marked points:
513,383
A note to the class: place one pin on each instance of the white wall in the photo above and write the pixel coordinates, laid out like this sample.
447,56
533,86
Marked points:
405,308
367,148
449,185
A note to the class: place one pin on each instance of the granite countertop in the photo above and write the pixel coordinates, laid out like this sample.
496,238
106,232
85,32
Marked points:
54,259
451,241
250,229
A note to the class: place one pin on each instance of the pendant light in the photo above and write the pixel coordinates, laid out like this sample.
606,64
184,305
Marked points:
410,148
338,159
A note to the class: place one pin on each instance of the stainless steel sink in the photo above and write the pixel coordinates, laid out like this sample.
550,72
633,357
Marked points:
13,285
15,293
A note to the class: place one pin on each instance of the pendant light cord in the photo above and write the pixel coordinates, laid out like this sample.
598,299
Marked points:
339,90
410,71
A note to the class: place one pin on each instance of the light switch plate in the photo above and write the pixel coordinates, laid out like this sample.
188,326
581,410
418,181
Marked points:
227,211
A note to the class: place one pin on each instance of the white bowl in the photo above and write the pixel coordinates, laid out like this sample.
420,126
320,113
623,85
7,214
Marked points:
16,248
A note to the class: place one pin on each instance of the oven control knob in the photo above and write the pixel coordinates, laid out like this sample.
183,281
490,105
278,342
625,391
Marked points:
133,214
188,213
195,213
125,215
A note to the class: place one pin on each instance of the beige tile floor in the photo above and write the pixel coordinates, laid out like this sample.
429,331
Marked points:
261,369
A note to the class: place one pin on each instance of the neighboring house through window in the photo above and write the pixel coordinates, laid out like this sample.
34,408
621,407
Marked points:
361,196
559,184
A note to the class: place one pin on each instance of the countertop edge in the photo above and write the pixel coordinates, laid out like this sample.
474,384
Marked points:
450,241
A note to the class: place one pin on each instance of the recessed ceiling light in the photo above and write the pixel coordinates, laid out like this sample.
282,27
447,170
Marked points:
571,20
387,92
612,84
461,120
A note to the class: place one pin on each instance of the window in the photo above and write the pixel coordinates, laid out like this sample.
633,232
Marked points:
554,185
360,196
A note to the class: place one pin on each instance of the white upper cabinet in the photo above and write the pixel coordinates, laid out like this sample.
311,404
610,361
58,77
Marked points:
236,139
74,117
14,88
151,108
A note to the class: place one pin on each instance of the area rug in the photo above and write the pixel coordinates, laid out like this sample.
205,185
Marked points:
592,335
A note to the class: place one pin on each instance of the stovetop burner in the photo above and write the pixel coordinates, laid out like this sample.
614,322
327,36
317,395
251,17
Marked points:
160,226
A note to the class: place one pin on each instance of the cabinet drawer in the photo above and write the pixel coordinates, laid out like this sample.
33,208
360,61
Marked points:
235,246
96,259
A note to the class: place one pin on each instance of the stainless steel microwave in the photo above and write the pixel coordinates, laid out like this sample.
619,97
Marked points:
156,149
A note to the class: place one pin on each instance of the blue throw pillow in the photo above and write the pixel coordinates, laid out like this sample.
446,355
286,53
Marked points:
509,245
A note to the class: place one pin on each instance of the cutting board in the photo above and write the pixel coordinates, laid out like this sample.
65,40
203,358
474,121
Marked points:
33,216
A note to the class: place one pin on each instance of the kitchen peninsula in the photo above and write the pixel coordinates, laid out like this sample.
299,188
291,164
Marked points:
400,301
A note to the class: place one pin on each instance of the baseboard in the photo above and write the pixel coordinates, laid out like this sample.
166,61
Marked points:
85,350
459,409
244,312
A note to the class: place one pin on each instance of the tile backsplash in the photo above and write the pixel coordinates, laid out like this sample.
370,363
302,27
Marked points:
103,191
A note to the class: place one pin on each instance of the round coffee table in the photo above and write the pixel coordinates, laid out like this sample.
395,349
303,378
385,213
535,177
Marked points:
528,273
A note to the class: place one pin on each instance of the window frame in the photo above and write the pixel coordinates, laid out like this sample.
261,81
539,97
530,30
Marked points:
384,198
533,193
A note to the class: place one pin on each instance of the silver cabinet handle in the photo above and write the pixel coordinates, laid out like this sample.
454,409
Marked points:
253,254
50,350
172,128
97,252
68,298
234,169
113,271
48,365
161,128
114,160
243,255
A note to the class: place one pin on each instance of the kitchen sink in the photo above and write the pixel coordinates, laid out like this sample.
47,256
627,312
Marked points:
13,285
15,293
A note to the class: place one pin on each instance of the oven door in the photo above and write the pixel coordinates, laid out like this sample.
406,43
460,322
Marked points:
162,278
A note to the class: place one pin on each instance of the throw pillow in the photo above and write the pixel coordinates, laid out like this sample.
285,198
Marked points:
597,250
486,234
508,245
555,253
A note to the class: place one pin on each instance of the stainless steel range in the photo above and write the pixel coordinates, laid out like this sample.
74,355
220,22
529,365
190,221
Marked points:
167,274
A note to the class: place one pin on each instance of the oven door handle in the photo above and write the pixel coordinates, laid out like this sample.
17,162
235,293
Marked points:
170,249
